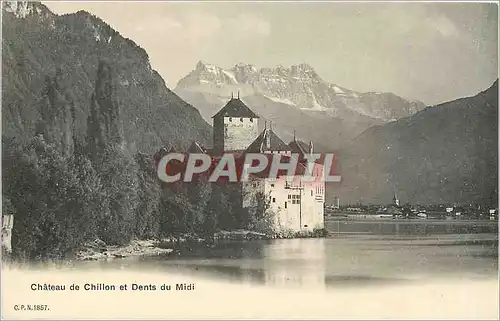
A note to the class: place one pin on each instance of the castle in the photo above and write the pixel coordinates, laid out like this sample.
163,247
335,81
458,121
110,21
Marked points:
298,206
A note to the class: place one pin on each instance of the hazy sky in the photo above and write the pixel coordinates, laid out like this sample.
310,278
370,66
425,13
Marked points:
433,52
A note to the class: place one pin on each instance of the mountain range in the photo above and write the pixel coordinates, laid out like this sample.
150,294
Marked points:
294,98
386,144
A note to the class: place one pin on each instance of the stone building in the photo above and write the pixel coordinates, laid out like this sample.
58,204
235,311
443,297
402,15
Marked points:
7,224
297,205
235,127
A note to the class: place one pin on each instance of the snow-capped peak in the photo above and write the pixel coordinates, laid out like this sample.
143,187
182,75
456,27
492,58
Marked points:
202,67
297,85
205,66
206,73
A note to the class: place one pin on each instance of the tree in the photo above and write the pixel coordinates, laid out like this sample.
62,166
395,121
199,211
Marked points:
118,172
92,195
147,223
199,193
260,214
104,125
56,123
407,211
175,213
52,206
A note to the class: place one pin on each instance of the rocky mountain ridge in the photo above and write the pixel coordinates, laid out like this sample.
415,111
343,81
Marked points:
299,86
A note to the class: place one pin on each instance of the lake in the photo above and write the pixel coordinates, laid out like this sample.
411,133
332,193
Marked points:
384,273
378,255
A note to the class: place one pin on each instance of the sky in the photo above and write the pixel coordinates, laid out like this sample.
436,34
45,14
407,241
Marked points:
432,52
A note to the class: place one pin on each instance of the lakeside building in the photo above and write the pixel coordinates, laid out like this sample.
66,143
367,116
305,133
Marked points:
7,224
297,205
336,203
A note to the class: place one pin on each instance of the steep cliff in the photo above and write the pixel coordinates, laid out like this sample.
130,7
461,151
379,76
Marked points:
37,43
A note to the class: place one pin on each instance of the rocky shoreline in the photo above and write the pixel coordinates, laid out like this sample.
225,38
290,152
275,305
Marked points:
99,250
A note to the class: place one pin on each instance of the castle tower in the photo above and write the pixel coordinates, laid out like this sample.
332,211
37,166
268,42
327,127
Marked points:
235,127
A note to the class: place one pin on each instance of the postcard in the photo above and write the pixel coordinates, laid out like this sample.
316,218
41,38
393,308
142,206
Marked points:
249,160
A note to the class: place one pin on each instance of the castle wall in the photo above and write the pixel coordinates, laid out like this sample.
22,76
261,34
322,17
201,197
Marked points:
218,134
284,203
238,133
297,205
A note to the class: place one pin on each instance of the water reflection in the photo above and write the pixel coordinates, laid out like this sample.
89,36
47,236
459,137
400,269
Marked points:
330,262
295,262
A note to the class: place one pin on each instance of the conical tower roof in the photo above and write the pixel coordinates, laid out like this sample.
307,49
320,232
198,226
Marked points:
268,141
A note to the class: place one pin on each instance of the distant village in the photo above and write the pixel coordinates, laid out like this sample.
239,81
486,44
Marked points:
395,210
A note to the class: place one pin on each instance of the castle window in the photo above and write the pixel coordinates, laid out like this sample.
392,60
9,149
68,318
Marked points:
285,203
230,118
251,120
274,200
289,196
241,119
272,185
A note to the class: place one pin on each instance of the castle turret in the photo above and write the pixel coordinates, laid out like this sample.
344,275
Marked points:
300,147
268,142
267,136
